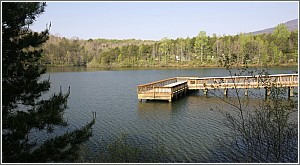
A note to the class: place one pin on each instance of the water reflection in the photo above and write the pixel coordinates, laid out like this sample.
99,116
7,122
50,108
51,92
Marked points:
159,110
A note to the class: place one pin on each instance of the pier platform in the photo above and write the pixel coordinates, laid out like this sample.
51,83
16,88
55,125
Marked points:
173,88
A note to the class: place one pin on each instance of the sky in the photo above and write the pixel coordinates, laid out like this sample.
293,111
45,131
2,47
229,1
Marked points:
155,20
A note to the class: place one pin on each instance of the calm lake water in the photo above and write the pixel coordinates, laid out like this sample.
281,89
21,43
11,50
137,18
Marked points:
187,128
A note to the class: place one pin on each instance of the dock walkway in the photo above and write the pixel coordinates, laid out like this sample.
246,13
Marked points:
175,84
172,88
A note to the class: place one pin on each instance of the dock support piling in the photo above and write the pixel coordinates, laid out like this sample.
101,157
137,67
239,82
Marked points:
94,115
291,92
225,92
205,91
267,92
246,91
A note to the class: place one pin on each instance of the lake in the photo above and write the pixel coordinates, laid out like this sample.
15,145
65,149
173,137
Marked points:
187,128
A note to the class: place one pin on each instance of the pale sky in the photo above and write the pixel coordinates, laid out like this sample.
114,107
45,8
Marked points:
155,20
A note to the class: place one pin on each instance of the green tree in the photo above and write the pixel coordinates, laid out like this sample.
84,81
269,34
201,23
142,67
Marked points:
23,109
293,45
273,52
281,35
251,49
201,44
164,49
181,48
189,48
242,39
262,54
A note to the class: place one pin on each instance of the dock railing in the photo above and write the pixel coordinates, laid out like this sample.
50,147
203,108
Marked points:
157,86
280,80
170,88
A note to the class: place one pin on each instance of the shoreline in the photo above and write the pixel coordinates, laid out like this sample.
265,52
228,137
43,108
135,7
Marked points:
169,66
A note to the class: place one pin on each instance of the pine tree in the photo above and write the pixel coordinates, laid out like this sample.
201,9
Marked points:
23,109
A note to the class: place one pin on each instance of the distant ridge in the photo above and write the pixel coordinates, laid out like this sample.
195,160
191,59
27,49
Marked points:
292,25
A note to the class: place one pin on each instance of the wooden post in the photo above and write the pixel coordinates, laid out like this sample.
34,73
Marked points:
246,91
291,92
280,81
205,91
225,92
94,115
267,92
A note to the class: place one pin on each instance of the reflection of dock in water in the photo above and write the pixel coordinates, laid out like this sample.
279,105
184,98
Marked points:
173,88
155,105
156,109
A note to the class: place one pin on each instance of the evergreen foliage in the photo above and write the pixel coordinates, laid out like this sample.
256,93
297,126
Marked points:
23,108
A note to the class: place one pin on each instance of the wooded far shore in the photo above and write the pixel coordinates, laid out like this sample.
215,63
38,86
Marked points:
279,48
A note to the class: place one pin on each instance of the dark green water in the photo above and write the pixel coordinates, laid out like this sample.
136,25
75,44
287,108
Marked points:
187,128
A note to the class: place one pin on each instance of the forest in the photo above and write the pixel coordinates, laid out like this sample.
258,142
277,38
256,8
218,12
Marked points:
271,49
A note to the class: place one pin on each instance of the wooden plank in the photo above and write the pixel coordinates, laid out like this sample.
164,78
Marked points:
175,84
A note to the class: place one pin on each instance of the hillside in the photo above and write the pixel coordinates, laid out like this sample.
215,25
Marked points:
291,25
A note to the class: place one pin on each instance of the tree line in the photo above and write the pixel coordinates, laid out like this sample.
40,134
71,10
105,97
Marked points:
279,47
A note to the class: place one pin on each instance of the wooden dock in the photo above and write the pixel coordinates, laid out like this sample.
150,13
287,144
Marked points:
172,88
